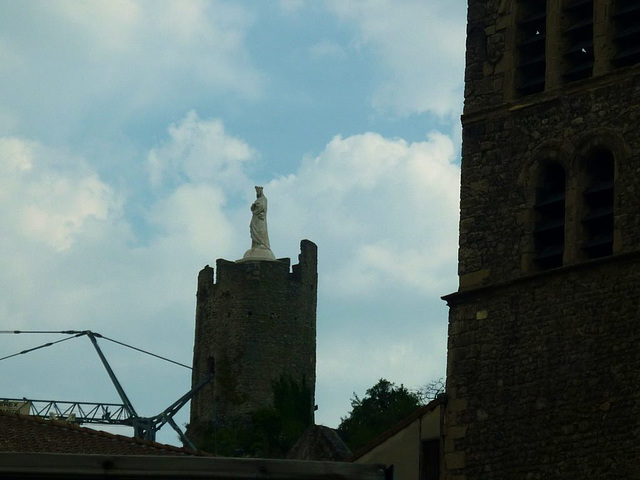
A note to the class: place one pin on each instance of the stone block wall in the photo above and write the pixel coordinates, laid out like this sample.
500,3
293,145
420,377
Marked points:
543,376
254,324
543,366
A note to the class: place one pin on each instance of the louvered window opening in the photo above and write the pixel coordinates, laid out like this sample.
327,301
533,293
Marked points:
531,47
550,218
578,40
598,197
627,37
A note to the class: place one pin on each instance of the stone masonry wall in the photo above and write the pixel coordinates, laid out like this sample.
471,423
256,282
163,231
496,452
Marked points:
543,376
256,323
543,366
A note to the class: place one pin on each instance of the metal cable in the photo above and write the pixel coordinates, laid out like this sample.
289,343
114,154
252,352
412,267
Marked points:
78,333
68,332
144,351
49,344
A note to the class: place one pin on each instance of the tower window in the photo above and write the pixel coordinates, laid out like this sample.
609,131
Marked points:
578,38
531,46
598,200
549,228
626,17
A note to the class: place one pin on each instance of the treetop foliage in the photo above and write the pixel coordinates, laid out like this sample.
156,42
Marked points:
382,406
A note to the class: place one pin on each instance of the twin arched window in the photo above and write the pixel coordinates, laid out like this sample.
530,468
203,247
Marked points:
592,205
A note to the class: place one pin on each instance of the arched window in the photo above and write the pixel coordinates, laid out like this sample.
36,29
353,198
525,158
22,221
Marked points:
626,17
532,28
550,217
597,222
578,40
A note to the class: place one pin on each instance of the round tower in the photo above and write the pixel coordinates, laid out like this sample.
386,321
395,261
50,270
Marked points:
255,329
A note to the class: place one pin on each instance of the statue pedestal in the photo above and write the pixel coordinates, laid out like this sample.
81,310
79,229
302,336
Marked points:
255,254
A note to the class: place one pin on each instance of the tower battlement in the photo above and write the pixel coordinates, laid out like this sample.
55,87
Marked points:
229,272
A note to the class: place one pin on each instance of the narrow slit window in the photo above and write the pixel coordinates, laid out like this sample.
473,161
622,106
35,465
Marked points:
532,28
626,17
578,40
597,222
550,217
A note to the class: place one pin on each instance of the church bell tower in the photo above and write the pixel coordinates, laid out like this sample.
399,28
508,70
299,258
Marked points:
543,361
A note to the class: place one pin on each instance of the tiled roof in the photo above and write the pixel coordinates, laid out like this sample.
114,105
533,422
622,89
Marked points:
27,434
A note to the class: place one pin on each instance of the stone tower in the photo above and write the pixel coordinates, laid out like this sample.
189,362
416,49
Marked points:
543,367
255,325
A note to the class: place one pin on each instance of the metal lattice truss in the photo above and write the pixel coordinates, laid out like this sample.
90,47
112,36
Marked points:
75,412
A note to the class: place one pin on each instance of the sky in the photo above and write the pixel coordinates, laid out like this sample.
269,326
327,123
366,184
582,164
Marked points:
132,133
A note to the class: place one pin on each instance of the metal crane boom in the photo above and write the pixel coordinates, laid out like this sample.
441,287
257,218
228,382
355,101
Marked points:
100,413
112,376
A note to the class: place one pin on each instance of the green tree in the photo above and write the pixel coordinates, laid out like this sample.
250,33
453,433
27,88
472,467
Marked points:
383,405
276,429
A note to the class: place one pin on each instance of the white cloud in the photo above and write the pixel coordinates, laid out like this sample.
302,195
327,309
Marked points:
204,39
421,45
49,197
121,59
387,210
328,48
71,259
291,6
59,223
390,358
16,155
193,221
113,23
200,151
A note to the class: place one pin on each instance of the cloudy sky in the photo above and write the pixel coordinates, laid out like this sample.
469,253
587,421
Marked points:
132,133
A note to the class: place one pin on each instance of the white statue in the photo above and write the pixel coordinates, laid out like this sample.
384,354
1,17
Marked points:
258,225
260,247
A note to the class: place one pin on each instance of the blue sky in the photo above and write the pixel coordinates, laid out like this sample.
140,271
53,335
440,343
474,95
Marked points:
132,134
